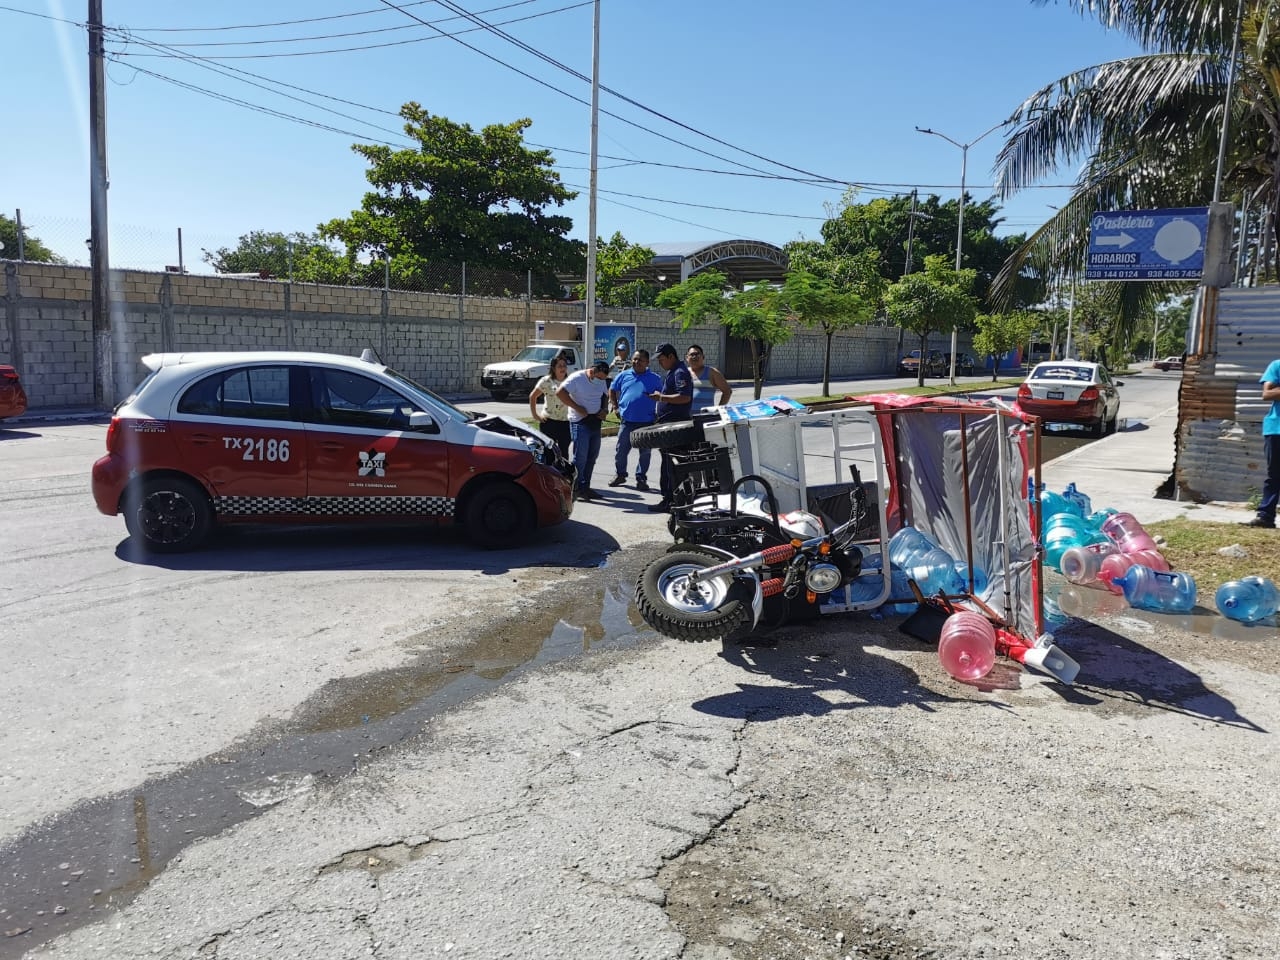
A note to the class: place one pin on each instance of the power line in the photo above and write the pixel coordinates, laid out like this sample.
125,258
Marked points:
372,46
450,5
702,206
576,99
290,23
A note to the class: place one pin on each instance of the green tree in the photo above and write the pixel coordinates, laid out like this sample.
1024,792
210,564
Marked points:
884,225
1148,128
613,260
819,302
275,254
998,333
937,299
756,314
482,198
32,248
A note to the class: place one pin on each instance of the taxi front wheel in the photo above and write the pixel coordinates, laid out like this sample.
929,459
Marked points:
499,515
168,514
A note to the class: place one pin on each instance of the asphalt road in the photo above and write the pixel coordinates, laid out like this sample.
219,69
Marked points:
152,702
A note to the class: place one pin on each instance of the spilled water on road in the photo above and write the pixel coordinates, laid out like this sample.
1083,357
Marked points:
72,869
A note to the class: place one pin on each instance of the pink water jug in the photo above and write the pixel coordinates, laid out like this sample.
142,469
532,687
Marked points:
1153,559
967,645
1128,533
1113,567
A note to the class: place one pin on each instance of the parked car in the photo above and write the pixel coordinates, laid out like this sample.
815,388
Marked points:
936,364
1072,392
965,364
13,399
220,438
1169,363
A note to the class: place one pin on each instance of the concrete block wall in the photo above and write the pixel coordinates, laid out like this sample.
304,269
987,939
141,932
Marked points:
440,340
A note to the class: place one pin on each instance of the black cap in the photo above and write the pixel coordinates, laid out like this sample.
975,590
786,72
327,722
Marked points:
665,350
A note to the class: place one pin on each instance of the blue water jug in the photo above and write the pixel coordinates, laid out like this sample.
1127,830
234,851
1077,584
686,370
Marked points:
960,583
900,588
1052,504
869,583
1148,589
1079,499
1248,599
1096,519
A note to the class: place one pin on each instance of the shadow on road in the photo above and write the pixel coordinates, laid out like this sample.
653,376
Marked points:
270,548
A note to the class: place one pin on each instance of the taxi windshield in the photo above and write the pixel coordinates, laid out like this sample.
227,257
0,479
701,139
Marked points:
435,398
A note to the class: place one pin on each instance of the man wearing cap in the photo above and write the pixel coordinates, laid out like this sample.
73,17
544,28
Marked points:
585,394
673,403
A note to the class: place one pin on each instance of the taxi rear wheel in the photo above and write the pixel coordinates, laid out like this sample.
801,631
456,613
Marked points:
499,515
168,514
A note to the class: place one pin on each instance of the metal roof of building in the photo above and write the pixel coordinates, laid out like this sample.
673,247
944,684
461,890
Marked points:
743,262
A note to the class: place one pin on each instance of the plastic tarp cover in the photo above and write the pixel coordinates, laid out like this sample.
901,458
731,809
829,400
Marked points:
934,456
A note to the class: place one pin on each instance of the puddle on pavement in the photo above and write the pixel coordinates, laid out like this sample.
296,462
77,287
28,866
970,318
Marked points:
77,867
1095,603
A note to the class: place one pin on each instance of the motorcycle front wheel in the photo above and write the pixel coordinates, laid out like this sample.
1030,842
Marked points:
705,610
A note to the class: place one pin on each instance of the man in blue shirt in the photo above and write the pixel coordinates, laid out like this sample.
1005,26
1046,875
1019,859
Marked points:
674,402
629,396
1271,448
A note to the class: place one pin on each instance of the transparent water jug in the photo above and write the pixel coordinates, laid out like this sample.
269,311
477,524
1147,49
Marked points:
1079,499
1148,589
1062,532
1127,533
1248,599
967,645
907,543
1083,563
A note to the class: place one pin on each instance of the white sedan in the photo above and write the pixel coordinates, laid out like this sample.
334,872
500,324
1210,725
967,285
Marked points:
1072,392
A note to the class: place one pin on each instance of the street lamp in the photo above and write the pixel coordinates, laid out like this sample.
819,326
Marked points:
964,165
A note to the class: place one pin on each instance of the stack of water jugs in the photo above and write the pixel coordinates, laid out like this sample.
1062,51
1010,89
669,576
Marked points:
1112,550
913,555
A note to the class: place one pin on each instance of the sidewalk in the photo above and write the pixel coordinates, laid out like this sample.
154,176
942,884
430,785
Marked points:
1125,469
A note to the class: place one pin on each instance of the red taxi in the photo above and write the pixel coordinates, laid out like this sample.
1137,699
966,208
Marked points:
13,399
213,438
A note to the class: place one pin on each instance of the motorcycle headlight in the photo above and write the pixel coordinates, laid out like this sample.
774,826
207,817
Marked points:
823,577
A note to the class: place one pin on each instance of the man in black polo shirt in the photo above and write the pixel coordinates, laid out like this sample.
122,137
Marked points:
673,403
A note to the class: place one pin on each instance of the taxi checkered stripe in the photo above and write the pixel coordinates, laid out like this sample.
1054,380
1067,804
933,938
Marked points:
334,506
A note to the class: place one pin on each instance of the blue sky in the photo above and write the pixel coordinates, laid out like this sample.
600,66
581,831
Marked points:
832,88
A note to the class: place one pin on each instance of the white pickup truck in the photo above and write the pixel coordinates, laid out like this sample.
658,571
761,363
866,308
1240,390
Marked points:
520,374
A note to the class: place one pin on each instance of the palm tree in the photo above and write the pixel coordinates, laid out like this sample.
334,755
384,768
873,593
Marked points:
1147,129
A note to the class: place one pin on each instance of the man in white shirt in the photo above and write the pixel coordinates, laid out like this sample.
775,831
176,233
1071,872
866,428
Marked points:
585,393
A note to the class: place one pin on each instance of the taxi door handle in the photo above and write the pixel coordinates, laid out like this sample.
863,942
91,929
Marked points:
331,445
200,439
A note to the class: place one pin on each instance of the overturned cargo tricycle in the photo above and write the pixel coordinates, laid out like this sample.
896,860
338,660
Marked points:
783,511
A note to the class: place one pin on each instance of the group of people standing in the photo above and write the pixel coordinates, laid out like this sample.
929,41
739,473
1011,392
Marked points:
576,404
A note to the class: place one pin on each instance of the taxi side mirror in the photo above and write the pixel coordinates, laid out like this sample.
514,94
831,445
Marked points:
422,422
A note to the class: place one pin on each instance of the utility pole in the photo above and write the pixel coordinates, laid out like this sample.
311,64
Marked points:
99,259
911,232
589,327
